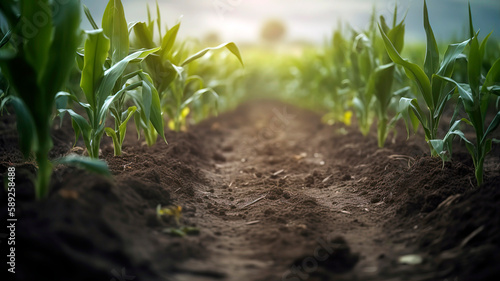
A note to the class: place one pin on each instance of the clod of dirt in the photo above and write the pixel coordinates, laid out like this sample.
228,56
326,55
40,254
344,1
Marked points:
339,258
309,181
346,177
275,193
218,157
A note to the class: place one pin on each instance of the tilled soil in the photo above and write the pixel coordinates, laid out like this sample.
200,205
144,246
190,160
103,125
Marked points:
272,194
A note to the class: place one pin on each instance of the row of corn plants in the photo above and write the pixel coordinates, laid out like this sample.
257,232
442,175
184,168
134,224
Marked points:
436,87
364,72
127,71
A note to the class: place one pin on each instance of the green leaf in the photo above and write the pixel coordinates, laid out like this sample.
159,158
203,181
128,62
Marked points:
444,147
169,40
474,66
413,71
123,126
115,72
493,125
93,165
110,132
432,53
383,79
452,53
26,128
397,36
412,114
493,77
158,20
143,35
482,46
115,28
156,116
89,17
39,37
230,46
96,52
197,95
471,27
83,126
62,56
110,100
6,38
464,92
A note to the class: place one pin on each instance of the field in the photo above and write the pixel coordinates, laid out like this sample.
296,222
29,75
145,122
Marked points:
131,154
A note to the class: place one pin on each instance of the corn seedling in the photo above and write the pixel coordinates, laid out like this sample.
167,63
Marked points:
383,78
430,82
100,88
170,64
362,64
475,97
36,66
175,212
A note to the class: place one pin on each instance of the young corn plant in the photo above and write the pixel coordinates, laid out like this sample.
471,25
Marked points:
183,92
105,91
334,73
382,80
430,82
168,65
362,64
36,66
109,48
475,97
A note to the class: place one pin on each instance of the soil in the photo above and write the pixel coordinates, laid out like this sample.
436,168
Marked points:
270,193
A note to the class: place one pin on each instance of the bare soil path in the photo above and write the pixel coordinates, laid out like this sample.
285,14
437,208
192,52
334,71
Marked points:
284,207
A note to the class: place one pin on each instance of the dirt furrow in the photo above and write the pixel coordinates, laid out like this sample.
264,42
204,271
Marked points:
281,204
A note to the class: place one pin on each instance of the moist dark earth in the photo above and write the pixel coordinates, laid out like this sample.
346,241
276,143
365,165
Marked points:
272,194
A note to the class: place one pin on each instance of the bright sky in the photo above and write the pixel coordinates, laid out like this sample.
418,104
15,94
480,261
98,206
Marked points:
311,20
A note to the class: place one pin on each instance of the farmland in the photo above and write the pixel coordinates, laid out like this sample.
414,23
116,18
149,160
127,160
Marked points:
131,152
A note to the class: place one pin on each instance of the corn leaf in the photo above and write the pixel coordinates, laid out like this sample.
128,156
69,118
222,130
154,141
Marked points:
110,132
452,53
25,126
431,63
198,94
115,72
382,79
96,52
156,116
230,46
493,77
36,48
123,126
62,56
93,165
413,115
397,36
158,20
443,147
110,100
82,124
474,66
169,40
493,125
143,35
413,71
115,28
89,17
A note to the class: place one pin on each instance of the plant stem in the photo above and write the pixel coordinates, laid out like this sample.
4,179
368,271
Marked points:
44,174
382,132
479,171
